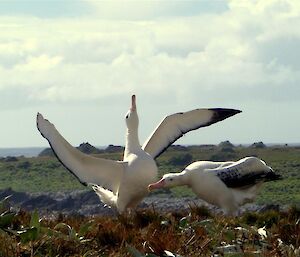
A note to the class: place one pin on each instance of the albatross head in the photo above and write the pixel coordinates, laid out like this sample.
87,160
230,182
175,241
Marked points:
132,119
168,180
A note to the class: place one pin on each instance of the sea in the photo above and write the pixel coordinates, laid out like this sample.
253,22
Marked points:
22,151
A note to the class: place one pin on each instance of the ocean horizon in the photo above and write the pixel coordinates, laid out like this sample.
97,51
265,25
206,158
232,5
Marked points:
21,151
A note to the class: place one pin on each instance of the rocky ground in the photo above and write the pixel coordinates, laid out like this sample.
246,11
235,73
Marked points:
87,203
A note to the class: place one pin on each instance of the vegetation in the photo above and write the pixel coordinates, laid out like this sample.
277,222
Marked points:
147,233
45,173
196,232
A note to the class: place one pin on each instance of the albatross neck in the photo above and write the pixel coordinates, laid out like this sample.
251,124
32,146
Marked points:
184,178
132,141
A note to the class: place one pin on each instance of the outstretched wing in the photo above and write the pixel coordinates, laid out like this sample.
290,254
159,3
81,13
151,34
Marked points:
176,125
87,169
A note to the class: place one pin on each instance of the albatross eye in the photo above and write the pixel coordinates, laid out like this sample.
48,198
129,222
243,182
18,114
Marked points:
127,116
171,179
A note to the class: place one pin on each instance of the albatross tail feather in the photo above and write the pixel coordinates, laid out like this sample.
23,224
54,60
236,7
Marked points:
105,195
270,176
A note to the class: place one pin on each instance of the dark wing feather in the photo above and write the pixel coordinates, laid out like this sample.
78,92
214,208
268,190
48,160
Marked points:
176,125
245,172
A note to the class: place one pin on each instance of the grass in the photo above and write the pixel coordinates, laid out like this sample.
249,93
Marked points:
39,175
148,233
47,174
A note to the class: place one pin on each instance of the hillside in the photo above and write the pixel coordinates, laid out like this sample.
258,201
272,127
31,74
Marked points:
46,174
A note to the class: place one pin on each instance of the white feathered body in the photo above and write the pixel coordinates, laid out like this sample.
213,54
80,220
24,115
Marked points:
211,181
207,186
224,184
140,170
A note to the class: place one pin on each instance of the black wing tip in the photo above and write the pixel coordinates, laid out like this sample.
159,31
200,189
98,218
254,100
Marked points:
223,113
219,115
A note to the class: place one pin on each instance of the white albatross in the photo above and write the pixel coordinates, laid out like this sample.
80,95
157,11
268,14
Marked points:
224,184
123,184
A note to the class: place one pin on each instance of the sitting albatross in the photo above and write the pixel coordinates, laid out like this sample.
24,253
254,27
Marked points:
224,184
123,184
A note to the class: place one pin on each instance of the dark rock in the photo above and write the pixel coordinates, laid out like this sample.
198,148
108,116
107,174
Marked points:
87,203
24,165
66,204
114,149
202,147
11,159
88,198
46,152
226,144
178,147
88,148
225,152
258,145
270,207
15,197
38,202
226,147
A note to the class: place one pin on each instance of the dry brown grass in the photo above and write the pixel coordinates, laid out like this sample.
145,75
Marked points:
148,233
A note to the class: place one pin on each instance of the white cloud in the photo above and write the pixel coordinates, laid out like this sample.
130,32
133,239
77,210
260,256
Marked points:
38,63
89,58
267,8
149,10
244,57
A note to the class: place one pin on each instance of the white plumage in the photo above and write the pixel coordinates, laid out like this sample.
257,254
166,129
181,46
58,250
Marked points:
123,184
224,184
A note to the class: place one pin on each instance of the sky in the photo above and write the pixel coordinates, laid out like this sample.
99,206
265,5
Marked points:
79,61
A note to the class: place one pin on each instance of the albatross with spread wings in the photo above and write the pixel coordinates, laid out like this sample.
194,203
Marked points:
123,184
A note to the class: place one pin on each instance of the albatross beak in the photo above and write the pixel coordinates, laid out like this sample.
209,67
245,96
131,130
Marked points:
156,185
133,103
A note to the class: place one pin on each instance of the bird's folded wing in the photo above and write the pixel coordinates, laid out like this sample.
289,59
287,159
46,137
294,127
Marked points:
88,169
245,172
176,125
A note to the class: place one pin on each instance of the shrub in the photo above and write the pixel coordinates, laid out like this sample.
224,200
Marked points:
223,156
24,165
181,160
